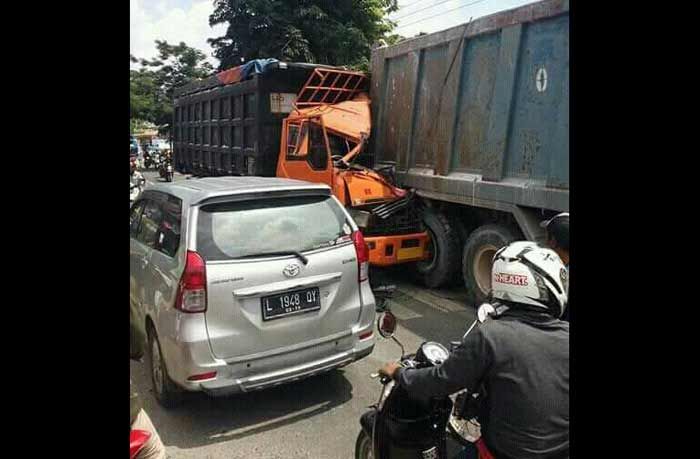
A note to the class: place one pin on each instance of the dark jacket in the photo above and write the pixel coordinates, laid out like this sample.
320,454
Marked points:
137,347
566,315
522,359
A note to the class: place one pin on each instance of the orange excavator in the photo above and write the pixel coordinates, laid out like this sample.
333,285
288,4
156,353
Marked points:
322,136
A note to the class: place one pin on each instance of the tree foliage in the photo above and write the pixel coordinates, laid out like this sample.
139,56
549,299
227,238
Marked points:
333,32
152,85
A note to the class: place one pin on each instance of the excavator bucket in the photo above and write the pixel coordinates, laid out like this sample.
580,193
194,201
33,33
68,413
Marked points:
327,86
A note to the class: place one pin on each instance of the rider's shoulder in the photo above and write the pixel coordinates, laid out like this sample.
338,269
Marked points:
495,328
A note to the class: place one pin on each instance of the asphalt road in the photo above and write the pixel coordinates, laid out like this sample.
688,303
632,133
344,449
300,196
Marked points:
313,418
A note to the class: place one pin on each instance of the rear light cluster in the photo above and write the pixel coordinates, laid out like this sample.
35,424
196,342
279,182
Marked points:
367,334
362,256
203,376
192,289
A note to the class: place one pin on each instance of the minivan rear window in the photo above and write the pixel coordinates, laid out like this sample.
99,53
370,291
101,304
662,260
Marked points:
245,228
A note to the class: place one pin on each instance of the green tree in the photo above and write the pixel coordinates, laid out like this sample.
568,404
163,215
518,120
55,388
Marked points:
152,85
333,32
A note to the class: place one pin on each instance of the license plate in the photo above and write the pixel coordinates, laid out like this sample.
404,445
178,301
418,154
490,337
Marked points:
290,303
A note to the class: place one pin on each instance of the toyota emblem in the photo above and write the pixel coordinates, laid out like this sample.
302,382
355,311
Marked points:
291,270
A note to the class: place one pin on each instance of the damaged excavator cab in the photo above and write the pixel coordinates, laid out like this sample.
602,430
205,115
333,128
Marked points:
325,132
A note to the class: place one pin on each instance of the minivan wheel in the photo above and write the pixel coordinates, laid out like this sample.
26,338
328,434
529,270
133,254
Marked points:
165,390
481,246
363,446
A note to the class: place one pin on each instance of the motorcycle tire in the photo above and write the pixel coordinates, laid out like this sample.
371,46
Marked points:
169,178
363,446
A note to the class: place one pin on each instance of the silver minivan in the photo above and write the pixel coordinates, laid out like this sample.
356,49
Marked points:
246,283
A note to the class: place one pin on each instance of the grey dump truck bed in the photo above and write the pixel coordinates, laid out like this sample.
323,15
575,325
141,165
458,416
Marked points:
479,114
230,125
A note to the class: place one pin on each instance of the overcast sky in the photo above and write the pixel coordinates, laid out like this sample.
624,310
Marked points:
188,20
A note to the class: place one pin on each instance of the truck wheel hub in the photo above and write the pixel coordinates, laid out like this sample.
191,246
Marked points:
483,261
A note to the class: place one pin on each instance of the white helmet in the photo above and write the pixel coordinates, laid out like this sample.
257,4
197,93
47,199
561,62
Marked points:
526,273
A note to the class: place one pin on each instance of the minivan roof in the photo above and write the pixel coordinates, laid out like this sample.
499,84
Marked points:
195,191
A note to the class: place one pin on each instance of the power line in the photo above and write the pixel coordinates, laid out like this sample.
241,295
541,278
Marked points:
422,9
410,4
439,14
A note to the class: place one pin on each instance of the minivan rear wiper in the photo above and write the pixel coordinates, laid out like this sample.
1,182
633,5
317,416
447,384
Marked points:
274,254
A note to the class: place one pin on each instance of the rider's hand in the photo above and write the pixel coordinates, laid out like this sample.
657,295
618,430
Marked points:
389,369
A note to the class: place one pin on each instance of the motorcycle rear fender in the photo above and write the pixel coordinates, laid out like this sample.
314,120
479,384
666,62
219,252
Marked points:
367,421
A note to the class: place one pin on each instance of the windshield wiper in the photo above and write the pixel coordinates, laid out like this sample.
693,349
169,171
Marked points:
274,254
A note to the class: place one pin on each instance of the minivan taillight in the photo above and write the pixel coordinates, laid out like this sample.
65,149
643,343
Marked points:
192,289
362,256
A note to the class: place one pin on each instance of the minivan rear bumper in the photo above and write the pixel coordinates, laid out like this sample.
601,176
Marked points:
250,373
221,387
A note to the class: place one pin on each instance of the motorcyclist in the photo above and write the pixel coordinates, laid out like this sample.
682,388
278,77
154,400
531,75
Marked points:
167,158
518,361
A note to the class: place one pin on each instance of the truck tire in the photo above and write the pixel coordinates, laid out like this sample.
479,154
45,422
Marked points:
477,258
463,229
445,248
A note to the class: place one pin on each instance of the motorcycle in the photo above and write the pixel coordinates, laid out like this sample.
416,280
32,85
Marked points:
147,160
165,170
399,426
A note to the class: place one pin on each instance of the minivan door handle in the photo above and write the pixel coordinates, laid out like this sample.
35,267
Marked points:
278,287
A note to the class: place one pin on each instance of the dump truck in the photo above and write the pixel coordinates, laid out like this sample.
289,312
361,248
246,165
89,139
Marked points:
475,119
246,121
461,147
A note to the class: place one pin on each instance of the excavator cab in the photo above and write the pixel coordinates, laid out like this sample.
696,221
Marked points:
306,154
326,130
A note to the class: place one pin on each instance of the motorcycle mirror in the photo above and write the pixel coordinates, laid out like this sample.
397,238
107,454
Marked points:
386,324
484,311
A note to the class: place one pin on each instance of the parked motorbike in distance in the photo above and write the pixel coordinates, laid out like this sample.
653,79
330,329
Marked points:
399,426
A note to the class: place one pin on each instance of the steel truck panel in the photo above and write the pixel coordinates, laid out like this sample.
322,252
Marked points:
479,111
